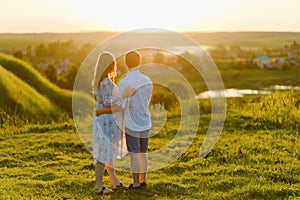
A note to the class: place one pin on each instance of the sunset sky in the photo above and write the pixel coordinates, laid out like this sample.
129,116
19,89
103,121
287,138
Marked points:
19,16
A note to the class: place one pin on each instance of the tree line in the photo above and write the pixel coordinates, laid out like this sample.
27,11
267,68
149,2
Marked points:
49,58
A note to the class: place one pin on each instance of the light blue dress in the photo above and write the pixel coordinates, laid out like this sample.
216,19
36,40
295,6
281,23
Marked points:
109,141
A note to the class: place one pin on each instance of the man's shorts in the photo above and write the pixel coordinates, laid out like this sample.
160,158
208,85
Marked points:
137,141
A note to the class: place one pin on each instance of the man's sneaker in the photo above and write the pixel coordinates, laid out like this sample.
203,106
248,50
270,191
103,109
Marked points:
135,188
143,184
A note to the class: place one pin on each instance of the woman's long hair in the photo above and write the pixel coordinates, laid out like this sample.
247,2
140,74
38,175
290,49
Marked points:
105,67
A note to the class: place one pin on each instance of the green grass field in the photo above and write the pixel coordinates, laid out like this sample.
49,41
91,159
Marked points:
256,157
259,79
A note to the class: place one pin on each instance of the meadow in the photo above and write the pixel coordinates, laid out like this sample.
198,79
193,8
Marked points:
257,155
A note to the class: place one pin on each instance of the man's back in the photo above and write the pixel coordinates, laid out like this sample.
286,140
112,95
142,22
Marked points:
137,116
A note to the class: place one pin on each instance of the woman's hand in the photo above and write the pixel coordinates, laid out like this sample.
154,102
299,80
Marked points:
99,112
128,92
107,110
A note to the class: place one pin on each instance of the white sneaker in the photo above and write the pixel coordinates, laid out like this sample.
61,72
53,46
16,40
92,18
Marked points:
104,190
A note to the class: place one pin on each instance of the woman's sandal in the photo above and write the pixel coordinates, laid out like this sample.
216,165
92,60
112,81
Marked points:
104,190
121,185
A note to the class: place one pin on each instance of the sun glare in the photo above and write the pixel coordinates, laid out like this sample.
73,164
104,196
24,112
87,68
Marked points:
124,15
115,15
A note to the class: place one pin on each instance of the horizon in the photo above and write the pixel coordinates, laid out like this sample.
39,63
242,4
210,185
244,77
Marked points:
114,32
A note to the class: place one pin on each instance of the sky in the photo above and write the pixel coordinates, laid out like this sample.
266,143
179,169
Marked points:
28,16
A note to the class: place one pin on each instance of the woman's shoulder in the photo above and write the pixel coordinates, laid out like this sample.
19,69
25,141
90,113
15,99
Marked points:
106,82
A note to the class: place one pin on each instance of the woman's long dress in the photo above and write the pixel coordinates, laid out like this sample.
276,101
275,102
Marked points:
109,141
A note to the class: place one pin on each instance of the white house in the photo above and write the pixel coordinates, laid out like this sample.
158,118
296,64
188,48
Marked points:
263,62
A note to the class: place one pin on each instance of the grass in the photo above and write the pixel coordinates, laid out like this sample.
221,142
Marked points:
22,101
259,79
249,161
256,157
24,71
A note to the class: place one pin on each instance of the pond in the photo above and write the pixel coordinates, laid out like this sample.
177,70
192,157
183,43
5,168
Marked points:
243,92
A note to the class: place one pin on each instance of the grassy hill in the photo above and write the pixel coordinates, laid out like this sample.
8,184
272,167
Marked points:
25,92
23,70
18,99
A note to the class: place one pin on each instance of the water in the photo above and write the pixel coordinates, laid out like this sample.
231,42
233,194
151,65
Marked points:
243,92
284,87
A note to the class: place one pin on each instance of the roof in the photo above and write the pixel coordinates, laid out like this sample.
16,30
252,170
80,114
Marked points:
262,58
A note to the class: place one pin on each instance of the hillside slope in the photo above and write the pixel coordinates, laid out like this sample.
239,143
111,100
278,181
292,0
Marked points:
61,97
19,100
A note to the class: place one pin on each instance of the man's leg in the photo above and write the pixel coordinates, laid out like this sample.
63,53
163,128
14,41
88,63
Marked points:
135,169
144,140
144,165
133,146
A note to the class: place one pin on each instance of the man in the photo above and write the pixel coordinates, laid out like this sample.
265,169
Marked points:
137,120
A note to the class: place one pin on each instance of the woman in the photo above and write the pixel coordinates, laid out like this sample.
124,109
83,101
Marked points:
109,142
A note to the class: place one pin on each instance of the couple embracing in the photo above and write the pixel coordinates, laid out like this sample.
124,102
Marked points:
121,109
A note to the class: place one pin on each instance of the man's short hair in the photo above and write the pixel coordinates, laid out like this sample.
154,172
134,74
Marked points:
132,59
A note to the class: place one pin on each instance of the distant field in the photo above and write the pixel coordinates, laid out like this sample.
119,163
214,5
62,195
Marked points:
260,79
245,39
21,41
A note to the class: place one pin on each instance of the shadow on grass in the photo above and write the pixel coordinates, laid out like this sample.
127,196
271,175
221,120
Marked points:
69,147
155,191
45,177
8,163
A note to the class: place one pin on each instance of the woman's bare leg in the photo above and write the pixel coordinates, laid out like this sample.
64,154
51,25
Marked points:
99,171
110,167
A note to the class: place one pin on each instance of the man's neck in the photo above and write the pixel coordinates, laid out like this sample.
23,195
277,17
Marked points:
133,69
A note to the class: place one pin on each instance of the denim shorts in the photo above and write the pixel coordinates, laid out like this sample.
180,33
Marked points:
137,141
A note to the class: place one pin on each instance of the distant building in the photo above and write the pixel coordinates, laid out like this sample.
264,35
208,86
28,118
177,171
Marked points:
63,65
278,64
47,61
262,62
292,54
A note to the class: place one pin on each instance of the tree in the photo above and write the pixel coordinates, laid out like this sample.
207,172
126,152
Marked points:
219,51
41,51
235,48
295,45
51,73
67,78
19,54
29,52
